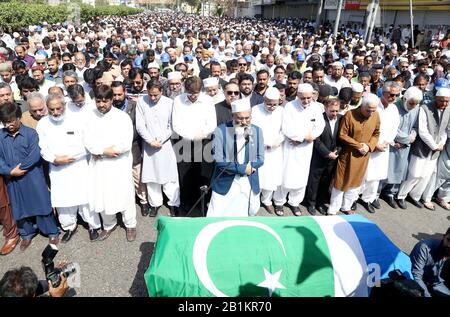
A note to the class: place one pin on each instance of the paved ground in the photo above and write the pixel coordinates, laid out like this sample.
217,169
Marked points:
116,267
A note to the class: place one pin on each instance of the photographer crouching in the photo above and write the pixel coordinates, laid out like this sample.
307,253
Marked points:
23,282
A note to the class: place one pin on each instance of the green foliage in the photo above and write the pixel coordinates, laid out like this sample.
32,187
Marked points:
18,14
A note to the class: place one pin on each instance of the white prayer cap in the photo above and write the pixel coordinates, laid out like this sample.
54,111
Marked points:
443,92
174,75
153,65
272,93
210,82
16,35
228,51
305,88
39,56
413,93
403,59
346,84
240,105
338,64
265,50
357,87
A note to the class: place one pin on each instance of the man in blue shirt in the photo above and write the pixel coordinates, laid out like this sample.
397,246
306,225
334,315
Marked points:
429,258
21,165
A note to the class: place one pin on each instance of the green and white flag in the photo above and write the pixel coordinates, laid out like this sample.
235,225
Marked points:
268,256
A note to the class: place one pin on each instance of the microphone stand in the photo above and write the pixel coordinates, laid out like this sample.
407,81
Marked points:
205,189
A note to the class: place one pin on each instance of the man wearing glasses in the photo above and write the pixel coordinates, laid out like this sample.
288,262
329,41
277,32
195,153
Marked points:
377,168
223,109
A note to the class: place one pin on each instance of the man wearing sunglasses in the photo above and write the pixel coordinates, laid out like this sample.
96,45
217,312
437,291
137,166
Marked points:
377,168
223,109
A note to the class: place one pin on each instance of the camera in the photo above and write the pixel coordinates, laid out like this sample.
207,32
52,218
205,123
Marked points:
52,273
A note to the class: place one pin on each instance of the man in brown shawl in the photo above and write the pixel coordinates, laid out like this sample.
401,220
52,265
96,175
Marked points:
358,132
10,232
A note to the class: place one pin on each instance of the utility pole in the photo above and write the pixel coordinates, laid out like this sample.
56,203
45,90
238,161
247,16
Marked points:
338,18
412,22
370,22
319,13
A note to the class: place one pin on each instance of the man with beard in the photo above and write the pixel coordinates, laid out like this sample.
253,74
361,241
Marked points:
44,84
430,265
238,148
121,102
223,109
53,72
159,170
137,88
292,82
38,110
246,88
357,93
212,89
262,80
174,86
336,79
61,143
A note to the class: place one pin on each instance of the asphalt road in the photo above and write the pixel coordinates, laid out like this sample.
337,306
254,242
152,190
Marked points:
115,267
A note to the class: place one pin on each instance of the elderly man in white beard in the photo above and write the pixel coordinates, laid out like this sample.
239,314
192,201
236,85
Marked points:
212,89
269,117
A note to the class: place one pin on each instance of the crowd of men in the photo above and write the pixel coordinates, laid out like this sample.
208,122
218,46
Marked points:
269,113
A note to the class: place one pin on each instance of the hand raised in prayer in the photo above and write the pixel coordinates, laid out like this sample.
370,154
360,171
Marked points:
111,152
156,144
309,138
17,172
364,149
63,160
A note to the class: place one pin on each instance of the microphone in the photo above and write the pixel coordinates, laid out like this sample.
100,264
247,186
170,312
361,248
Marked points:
248,134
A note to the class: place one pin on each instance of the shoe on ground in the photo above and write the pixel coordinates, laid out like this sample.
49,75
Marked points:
173,211
279,211
93,235
68,235
429,205
416,203
311,210
131,234
153,211
376,204
295,210
401,203
106,233
9,245
145,209
269,209
353,207
391,202
347,212
24,244
322,210
367,206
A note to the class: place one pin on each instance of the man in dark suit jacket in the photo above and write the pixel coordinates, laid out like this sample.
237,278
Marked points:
324,160
246,88
121,102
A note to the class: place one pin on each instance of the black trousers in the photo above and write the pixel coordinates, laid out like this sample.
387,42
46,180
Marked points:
317,189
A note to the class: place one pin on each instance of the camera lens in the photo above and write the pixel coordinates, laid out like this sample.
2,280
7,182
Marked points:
68,269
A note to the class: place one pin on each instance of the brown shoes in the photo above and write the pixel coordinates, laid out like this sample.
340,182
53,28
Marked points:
9,245
269,209
131,234
25,244
106,233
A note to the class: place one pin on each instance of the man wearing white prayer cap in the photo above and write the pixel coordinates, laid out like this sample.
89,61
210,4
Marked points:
336,79
357,94
432,137
238,149
212,89
174,85
269,117
302,123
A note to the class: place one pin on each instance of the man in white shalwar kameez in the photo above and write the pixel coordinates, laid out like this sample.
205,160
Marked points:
378,166
238,148
269,117
433,121
109,137
61,143
154,125
302,123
